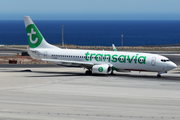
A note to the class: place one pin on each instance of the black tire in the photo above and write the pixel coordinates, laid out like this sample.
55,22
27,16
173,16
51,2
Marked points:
158,75
88,72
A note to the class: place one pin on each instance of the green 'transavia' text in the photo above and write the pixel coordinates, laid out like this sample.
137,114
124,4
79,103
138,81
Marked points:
115,58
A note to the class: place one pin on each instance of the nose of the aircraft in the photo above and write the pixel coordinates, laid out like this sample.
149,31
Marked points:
172,65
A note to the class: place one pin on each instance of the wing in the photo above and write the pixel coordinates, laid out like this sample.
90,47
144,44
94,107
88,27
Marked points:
71,63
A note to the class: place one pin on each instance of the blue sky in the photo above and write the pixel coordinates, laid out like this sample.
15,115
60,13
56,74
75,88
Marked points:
90,9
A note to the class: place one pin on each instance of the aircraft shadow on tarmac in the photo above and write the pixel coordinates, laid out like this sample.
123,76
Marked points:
56,74
148,77
140,76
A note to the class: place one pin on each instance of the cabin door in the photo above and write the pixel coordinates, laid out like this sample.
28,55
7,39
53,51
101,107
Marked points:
45,55
153,61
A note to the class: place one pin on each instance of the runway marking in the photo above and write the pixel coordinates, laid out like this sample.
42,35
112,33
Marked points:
88,115
42,85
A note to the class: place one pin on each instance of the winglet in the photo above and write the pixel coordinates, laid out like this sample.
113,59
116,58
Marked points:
114,48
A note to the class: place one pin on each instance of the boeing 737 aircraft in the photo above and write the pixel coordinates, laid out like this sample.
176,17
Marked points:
102,62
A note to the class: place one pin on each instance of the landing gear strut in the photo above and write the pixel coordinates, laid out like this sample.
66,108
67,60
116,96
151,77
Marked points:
158,75
112,73
88,72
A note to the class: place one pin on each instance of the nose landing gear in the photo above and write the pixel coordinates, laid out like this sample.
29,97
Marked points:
159,73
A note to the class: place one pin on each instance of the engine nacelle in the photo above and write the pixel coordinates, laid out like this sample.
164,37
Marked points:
102,69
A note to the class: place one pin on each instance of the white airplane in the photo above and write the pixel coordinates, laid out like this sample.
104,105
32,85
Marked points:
102,62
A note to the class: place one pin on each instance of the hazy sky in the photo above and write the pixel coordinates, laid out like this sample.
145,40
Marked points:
90,9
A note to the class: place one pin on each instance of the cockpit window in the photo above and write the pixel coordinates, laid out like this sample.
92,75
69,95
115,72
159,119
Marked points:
164,60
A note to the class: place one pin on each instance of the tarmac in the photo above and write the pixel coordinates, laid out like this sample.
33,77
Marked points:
51,92
45,92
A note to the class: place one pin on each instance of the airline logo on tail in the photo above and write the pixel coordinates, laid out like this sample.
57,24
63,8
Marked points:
34,36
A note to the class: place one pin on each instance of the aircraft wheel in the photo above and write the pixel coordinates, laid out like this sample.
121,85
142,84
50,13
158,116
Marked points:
88,72
158,75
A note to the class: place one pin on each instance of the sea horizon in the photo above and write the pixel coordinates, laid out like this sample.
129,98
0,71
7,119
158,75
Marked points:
95,32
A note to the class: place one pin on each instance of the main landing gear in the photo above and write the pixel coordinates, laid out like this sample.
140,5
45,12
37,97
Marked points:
112,73
88,72
158,75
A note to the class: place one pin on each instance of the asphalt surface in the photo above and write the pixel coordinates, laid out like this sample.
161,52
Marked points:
27,65
53,93
50,92
10,52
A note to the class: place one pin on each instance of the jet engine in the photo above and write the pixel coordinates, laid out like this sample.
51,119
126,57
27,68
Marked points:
102,69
